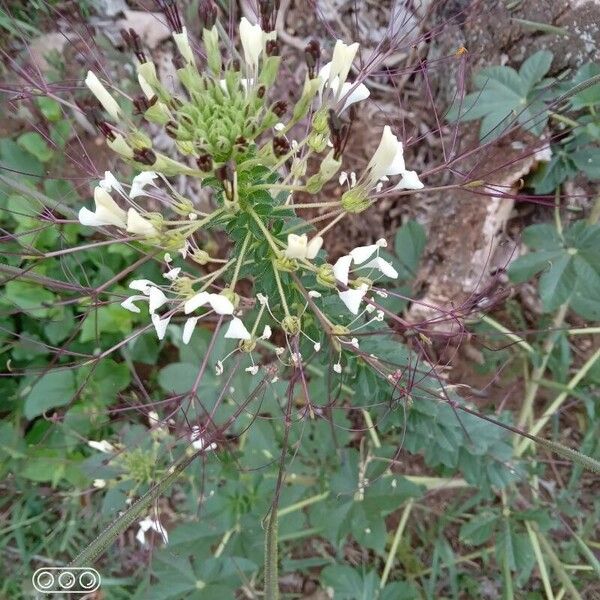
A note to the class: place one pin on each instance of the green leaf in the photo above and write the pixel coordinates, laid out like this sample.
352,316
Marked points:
53,389
29,297
534,69
409,244
590,96
350,584
35,144
19,163
50,108
178,378
479,529
588,161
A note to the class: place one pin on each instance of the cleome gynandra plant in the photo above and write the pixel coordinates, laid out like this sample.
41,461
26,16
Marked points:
294,349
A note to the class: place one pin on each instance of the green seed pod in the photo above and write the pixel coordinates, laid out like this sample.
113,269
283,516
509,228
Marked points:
247,345
200,256
287,265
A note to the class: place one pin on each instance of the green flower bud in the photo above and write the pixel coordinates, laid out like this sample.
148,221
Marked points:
320,121
120,146
184,286
200,256
186,148
247,345
292,325
329,167
317,141
288,265
158,113
269,71
311,87
210,37
231,296
355,200
138,139
325,276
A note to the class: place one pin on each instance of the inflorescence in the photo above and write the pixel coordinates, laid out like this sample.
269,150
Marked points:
232,134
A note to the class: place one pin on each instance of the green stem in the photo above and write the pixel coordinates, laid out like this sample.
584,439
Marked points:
264,230
538,373
280,289
551,410
240,262
533,538
508,333
395,543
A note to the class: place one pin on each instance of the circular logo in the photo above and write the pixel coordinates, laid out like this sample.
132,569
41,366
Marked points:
43,580
88,580
66,580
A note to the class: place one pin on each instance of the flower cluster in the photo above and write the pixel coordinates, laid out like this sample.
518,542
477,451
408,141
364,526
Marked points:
233,136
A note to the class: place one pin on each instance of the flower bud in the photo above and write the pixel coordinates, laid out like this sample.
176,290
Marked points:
291,325
355,200
207,11
312,53
200,256
325,276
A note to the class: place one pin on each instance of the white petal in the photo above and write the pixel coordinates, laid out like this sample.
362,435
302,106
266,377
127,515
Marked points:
313,247
410,181
341,61
160,325
253,40
107,208
108,102
386,153
140,181
237,330
397,165
384,266
129,305
183,45
314,294
253,370
337,368
359,93
342,268
141,285
195,302
353,298
138,225
157,299
363,253
343,178
296,246
188,329
102,446
220,304
110,183
266,334
173,274
90,219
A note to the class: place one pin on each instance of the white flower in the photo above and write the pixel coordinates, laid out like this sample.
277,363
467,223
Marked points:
108,102
262,299
359,92
253,40
354,343
362,253
299,247
138,225
266,334
172,274
141,285
317,346
160,325
253,370
410,181
107,211
128,303
140,181
147,524
101,446
383,266
156,299
188,329
183,45
386,156
314,294
110,183
237,330
352,298
337,367
279,351
219,303
99,483
341,269
341,61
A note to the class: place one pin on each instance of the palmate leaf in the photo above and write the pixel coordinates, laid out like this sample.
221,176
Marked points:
504,96
570,267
